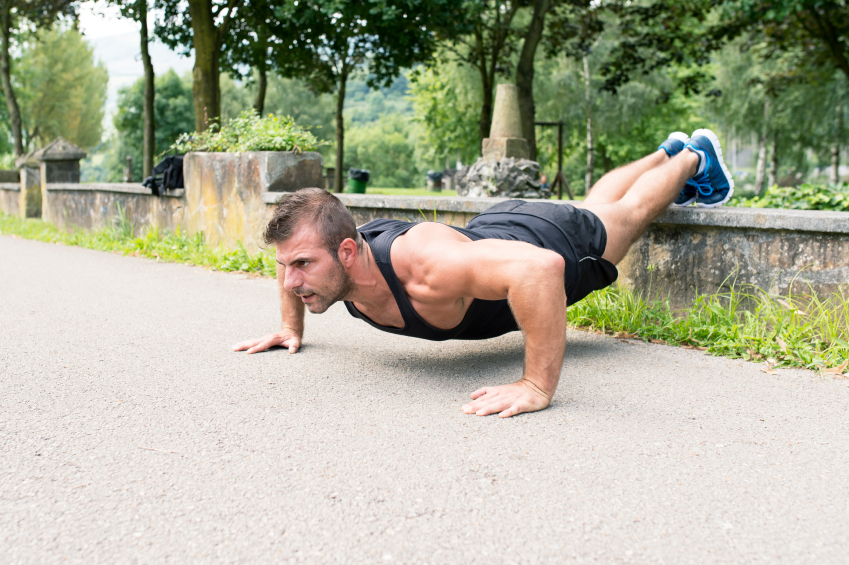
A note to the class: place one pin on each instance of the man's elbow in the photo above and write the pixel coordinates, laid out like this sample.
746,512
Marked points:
553,264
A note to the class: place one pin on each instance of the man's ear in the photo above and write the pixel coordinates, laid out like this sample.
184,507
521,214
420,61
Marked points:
348,252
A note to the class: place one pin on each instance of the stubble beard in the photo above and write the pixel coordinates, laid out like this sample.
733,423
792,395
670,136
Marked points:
339,285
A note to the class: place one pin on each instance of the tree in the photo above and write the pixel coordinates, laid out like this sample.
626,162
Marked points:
63,91
18,16
488,48
446,100
204,28
173,112
137,11
248,51
816,30
574,31
336,38
525,71
386,148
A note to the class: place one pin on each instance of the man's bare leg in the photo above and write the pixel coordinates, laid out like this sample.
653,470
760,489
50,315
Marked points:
627,218
614,184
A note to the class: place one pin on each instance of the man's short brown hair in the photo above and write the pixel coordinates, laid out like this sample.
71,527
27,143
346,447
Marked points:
317,207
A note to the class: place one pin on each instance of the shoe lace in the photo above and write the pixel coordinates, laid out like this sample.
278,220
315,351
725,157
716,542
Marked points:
702,181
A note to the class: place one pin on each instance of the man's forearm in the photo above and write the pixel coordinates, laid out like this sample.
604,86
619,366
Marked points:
291,306
540,310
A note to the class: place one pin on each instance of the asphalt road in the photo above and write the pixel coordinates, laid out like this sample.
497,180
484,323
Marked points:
130,433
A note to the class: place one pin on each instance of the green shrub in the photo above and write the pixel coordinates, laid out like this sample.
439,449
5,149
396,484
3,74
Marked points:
250,132
804,197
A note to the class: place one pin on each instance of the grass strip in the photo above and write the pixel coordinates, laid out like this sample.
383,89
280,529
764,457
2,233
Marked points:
164,245
748,323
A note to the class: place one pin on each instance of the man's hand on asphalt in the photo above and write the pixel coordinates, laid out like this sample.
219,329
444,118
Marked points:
284,338
507,400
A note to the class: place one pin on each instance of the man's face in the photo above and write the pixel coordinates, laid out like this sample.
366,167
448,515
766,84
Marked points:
312,273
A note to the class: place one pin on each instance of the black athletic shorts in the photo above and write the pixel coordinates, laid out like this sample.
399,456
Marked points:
576,234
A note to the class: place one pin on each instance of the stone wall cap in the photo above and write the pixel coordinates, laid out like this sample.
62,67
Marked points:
120,187
258,153
724,217
759,218
59,149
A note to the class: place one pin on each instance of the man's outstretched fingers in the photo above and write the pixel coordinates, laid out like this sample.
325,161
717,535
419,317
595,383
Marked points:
242,345
512,411
262,345
479,392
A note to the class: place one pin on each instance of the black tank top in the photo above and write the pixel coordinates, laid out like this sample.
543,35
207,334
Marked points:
576,234
484,318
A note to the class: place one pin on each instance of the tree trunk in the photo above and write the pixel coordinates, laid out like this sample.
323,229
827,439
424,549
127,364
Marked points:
486,109
6,77
340,132
588,178
149,144
761,172
525,74
835,148
772,176
262,83
206,43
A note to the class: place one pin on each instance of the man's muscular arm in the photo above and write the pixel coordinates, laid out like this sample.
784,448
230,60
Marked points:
292,330
531,279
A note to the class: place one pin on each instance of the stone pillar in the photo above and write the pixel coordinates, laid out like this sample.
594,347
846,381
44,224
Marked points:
56,162
30,192
505,136
504,169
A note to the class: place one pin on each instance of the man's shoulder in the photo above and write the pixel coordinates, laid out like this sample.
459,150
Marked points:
423,243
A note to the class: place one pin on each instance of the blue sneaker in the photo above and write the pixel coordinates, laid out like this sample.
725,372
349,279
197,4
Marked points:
673,145
712,180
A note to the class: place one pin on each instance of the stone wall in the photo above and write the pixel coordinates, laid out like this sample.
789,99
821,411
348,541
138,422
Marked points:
92,206
10,198
687,251
224,191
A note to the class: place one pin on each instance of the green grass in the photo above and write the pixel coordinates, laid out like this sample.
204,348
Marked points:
176,247
793,331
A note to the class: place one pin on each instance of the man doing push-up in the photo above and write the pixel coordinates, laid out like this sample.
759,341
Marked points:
515,266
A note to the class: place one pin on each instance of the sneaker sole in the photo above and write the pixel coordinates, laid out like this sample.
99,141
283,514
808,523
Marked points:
718,150
687,203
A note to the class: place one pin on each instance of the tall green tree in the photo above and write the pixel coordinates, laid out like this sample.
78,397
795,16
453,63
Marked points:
63,88
17,18
248,51
489,48
204,29
446,102
137,10
531,39
335,39
173,111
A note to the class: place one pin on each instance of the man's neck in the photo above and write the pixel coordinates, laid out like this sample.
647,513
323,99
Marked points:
370,286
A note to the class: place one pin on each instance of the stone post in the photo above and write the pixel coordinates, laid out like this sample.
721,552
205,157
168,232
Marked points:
56,162
504,169
505,136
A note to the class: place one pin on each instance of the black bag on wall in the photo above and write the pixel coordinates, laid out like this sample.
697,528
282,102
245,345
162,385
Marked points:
168,175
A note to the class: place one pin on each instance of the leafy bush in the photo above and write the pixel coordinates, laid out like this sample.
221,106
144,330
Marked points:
804,197
250,132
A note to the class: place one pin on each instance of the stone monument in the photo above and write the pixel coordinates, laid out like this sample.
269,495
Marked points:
504,168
